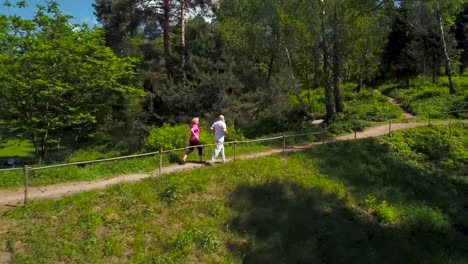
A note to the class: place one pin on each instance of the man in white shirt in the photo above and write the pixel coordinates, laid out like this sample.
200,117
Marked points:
220,130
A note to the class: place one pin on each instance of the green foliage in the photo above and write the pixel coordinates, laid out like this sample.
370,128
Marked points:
386,213
426,98
424,218
16,148
60,81
168,137
370,106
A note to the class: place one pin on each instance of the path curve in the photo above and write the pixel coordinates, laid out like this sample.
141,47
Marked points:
394,102
15,198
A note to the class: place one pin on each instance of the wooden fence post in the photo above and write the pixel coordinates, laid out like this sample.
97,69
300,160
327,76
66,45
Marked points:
160,161
450,129
26,183
322,134
284,143
235,149
429,119
355,133
390,127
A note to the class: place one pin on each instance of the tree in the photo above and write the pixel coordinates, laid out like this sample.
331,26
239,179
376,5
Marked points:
442,11
59,80
185,5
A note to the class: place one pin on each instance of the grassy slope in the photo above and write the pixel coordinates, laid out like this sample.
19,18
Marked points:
385,200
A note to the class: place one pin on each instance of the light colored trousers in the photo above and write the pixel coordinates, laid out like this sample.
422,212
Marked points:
219,149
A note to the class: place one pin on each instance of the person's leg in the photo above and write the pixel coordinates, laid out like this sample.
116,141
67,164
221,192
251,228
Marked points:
189,151
216,152
200,152
223,157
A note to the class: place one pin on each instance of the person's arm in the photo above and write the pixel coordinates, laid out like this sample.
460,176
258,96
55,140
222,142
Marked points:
212,127
225,129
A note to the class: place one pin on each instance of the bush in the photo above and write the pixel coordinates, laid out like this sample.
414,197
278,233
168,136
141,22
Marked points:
170,137
425,218
167,137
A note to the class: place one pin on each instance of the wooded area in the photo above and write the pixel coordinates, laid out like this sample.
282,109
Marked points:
268,65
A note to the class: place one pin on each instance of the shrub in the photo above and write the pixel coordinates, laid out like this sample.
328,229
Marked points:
167,137
170,137
425,218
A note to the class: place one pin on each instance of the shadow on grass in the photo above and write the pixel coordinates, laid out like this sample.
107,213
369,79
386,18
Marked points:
369,167
283,222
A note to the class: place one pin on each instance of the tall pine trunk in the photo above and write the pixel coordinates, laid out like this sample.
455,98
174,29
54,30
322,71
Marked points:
363,66
329,105
316,59
167,36
183,10
337,67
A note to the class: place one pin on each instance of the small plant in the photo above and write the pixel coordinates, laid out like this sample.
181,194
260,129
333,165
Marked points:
169,196
386,213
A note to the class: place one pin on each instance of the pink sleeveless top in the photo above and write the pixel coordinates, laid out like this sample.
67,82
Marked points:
195,133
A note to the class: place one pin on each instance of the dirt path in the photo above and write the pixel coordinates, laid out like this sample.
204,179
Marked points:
393,101
14,198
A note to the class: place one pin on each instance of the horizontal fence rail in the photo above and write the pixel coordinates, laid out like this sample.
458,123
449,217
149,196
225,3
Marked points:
26,169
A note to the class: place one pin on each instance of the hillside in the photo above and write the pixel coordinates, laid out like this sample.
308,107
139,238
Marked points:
395,199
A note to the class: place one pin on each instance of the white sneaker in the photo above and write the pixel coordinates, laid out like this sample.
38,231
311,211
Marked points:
211,163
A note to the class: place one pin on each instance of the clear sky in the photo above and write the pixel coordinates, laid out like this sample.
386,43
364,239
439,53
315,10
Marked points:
82,10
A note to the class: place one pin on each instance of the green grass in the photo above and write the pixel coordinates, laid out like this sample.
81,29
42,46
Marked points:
396,199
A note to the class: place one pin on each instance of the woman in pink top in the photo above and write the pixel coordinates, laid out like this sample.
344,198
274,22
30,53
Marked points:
194,140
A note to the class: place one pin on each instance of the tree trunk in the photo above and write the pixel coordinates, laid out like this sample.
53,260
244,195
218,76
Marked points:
329,105
316,59
310,115
452,87
308,89
183,9
337,68
359,88
363,67
167,35
270,66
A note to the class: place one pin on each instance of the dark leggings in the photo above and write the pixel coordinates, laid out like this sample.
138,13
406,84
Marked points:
192,145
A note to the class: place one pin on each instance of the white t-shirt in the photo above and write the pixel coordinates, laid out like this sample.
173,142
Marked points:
219,127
